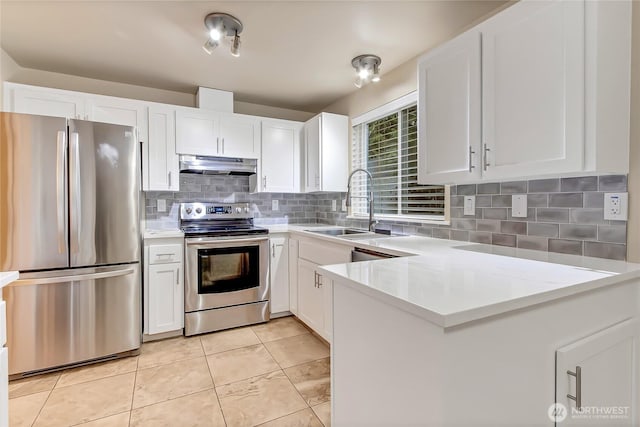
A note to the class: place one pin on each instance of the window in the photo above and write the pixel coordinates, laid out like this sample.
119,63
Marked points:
388,148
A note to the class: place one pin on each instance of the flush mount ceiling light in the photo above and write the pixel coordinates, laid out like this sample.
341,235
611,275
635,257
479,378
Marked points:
223,26
367,69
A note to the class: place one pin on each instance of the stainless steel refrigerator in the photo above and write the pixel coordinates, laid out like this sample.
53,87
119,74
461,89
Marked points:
69,222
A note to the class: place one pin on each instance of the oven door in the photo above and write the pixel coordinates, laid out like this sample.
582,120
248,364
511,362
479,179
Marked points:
221,272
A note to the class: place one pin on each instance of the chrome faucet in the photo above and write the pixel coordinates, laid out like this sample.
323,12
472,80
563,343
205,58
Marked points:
369,198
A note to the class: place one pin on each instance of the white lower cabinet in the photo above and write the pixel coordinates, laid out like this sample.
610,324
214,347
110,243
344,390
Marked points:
314,291
279,274
293,276
600,370
163,286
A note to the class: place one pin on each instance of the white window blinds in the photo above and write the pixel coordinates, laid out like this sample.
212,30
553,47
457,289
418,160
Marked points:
388,149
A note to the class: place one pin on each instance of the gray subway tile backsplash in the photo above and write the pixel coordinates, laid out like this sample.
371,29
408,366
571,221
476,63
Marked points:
564,214
513,187
566,200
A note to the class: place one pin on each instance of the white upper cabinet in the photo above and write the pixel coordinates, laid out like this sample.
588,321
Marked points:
449,111
161,163
279,169
209,133
239,136
197,132
118,111
549,95
533,89
43,101
326,153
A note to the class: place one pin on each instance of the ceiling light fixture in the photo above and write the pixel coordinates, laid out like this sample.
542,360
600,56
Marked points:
221,26
367,69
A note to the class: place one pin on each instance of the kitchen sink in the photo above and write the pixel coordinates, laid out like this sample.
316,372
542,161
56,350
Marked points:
341,232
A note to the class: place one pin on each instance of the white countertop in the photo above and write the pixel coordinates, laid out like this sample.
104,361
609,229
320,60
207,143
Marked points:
162,234
450,283
7,277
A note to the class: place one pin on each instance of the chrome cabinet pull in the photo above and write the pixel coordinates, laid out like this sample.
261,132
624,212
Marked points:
578,397
217,144
169,179
223,145
315,279
178,276
319,280
264,181
273,250
486,157
471,153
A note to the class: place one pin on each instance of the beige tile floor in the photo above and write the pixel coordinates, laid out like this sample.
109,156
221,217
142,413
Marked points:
273,375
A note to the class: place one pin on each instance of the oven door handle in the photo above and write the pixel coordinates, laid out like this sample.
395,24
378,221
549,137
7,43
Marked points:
205,241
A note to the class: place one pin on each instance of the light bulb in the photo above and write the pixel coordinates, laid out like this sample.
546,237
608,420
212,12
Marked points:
363,73
358,83
209,45
376,74
235,46
215,34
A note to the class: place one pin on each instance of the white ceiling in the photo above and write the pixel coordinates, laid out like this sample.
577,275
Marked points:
295,54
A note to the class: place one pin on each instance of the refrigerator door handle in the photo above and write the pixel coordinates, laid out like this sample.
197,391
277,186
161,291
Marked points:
73,278
61,173
74,175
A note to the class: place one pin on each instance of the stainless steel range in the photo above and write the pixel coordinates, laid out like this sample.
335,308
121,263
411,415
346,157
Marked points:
227,267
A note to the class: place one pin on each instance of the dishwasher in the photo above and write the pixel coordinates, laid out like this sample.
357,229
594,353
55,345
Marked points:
359,254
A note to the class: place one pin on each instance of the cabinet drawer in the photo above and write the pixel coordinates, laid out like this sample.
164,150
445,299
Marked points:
324,254
163,254
3,323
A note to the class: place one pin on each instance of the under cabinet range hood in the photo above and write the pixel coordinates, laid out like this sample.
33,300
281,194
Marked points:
217,165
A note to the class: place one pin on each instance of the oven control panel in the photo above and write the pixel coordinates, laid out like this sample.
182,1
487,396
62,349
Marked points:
195,210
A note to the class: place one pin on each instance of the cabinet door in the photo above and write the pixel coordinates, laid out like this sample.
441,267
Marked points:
533,89
47,102
609,367
279,274
310,297
197,132
166,306
312,155
162,169
239,136
334,152
293,276
119,111
280,159
449,112
327,297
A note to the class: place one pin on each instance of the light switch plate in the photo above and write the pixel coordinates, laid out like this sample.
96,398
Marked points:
469,205
275,205
334,205
161,205
615,206
519,206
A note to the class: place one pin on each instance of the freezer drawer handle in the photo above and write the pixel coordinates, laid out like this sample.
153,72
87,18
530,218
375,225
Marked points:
77,278
578,397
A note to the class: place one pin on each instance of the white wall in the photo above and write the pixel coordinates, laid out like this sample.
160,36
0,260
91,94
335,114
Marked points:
12,72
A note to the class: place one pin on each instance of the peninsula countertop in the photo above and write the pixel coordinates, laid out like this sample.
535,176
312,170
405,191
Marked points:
451,283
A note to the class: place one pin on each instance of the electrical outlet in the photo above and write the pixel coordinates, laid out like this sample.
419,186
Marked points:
615,206
334,205
161,205
469,205
519,206
344,205
275,205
